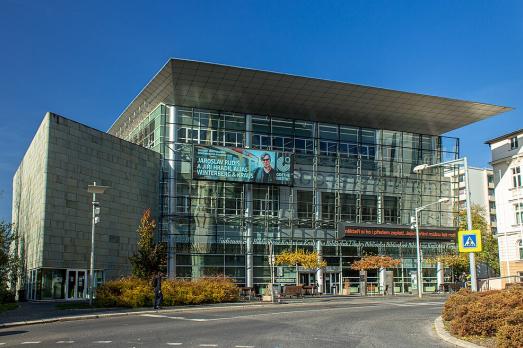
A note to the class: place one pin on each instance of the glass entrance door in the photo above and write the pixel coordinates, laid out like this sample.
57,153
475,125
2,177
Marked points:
307,278
332,283
76,284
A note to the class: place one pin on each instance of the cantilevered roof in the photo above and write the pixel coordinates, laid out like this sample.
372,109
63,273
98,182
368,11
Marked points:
226,88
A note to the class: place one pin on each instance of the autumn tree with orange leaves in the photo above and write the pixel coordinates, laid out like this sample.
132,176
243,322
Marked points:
375,262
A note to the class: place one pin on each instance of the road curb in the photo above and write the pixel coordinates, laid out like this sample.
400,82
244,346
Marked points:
444,335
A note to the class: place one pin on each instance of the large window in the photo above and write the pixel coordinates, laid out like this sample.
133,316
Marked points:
328,208
369,205
516,177
305,208
261,141
348,207
304,146
265,200
391,210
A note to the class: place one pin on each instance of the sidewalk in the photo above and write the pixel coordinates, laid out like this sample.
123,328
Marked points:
30,311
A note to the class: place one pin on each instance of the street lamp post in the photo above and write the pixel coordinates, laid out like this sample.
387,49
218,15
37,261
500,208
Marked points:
94,189
418,246
472,258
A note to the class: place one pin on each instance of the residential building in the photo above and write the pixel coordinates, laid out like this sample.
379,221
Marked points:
481,184
507,163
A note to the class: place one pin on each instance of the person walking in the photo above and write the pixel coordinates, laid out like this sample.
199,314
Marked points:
158,296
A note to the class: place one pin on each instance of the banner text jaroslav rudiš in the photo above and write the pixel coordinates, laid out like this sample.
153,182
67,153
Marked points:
242,165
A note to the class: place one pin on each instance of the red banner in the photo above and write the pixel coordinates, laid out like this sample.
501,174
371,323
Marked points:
396,232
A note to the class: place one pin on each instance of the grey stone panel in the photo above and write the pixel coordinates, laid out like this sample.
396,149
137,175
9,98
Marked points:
77,156
29,185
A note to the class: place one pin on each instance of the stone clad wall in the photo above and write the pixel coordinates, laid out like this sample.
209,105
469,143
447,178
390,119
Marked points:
77,156
29,184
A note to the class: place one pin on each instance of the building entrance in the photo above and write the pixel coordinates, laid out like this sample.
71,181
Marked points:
331,283
307,278
76,284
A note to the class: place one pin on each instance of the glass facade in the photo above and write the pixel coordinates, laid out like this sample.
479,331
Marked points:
341,174
60,284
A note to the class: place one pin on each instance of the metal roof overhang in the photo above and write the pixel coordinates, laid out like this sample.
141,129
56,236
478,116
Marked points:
226,88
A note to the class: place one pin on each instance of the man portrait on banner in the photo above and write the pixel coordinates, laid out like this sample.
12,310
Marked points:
265,174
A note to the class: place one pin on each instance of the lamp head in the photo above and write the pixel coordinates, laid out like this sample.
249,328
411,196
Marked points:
443,200
96,189
420,167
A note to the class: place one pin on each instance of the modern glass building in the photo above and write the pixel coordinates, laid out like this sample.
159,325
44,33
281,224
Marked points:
252,160
353,152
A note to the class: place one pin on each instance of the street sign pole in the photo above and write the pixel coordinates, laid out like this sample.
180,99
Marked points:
472,257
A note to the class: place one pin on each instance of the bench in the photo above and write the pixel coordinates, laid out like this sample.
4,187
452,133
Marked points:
310,290
247,293
292,290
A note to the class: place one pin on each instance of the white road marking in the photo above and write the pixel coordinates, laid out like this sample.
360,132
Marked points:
269,314
32,342
102,342
64,342
154,315
208,345
174,343
244,346
410,304
371,305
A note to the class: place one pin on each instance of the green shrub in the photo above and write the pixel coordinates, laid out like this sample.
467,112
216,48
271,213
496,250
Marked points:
134,292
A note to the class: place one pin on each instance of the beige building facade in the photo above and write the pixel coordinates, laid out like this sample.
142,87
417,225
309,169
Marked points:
507,164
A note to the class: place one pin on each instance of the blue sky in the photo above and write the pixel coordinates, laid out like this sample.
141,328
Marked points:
88,60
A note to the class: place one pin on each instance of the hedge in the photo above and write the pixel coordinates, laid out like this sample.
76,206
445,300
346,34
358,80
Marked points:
135,292
496,313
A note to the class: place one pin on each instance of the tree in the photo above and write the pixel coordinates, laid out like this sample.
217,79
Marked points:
375,262
459,262
9,262
489,255
150,257
300,257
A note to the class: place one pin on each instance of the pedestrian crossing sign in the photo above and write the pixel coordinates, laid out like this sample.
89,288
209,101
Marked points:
469,241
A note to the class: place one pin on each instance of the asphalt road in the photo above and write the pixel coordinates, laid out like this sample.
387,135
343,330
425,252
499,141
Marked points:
352,322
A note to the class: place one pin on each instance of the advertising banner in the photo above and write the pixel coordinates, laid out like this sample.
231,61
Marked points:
242,165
